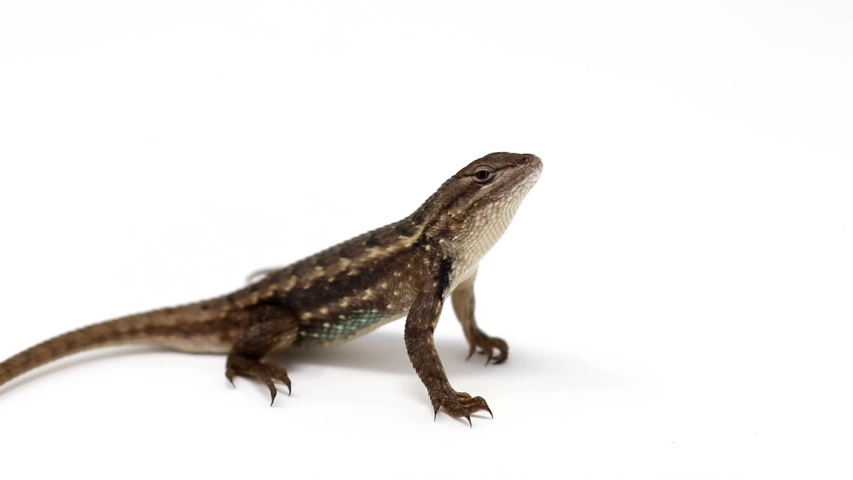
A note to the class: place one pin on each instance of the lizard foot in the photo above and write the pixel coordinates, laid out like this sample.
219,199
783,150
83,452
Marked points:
460,404
487,346
263,372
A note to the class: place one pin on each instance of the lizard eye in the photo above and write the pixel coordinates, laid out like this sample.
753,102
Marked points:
484,176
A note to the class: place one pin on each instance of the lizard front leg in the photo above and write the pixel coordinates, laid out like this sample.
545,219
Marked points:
420,326
463,305
270,328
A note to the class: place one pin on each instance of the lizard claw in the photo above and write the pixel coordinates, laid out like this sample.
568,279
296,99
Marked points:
460,404
487,346
259,274
273,391
265,373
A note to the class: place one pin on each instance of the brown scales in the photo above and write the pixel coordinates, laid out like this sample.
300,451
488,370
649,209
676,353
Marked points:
407,268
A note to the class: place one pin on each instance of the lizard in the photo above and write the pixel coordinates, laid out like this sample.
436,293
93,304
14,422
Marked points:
405,269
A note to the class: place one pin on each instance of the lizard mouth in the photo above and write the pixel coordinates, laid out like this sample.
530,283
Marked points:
526,176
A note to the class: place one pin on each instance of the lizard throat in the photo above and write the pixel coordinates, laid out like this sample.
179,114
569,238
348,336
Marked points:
485,225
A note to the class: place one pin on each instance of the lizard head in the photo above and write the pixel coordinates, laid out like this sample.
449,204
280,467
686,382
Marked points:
474,207
496,176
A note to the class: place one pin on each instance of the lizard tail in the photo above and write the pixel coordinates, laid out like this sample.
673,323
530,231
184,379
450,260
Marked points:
179,328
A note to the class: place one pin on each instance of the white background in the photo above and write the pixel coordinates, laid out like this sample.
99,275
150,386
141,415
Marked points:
676,290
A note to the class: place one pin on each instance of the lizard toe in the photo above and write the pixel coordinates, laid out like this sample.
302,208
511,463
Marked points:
266,373
487,345
461,405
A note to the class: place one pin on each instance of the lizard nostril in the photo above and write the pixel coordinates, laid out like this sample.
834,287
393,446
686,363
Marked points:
524,159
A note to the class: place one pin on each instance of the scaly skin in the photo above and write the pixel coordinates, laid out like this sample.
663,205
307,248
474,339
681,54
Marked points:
407,268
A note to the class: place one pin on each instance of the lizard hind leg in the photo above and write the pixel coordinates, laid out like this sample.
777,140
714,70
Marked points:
271,329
